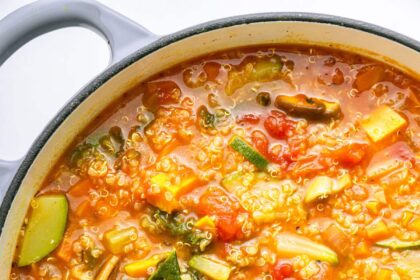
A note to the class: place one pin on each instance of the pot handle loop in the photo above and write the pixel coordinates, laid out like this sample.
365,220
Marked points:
123,35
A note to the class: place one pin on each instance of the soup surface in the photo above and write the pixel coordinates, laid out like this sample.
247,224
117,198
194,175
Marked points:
276,162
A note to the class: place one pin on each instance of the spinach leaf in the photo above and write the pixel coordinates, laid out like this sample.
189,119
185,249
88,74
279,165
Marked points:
168,269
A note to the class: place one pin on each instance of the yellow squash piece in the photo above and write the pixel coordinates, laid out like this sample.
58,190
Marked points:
378,230
382,122
291,245
206,223
319,188
322,186
168,194
414,225
214,269
344,181
139,268
383,274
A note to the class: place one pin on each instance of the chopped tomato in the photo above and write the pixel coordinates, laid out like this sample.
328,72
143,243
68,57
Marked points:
278,154
161,93
282,270
215,201
297,147
249,119
278,125
260,141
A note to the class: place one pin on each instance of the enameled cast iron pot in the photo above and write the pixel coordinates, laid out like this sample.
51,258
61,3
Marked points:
137,54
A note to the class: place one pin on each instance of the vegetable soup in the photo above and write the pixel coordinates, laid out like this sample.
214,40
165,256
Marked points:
271,162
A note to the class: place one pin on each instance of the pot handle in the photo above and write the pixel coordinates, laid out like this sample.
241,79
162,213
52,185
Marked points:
123,35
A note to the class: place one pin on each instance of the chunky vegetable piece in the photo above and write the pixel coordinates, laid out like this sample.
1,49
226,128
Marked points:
45,228
107,268
212,268
115,240
167,194
382,123
398,244
378,230
389,159
320,187
293,245
168,269
268,162
242,147
140,268
312,108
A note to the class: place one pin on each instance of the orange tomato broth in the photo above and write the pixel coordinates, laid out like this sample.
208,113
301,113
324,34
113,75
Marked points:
179,124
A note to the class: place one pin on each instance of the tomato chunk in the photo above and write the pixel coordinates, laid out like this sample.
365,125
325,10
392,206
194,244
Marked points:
161,93
282,270
260,141
278,125
215,201
249,119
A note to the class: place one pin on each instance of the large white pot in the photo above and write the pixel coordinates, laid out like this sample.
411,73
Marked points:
139,54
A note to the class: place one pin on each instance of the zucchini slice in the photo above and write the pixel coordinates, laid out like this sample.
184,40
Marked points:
168,269
45,228
242,147
290,245
397,244
212,268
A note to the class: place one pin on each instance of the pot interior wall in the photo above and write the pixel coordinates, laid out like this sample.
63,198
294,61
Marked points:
289,32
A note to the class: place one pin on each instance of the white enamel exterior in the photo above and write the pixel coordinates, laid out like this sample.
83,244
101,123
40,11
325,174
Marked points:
289,32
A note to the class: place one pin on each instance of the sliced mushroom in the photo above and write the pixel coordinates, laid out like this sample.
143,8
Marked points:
307,107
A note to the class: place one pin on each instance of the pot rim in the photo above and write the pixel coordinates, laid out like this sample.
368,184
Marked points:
107,74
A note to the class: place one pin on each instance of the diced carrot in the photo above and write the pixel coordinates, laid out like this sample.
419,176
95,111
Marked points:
168,148
80,188
65,249
368,76
362,250
378,230
139,268
84,209
336,239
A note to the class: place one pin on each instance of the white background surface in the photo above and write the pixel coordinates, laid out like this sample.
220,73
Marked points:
37,81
